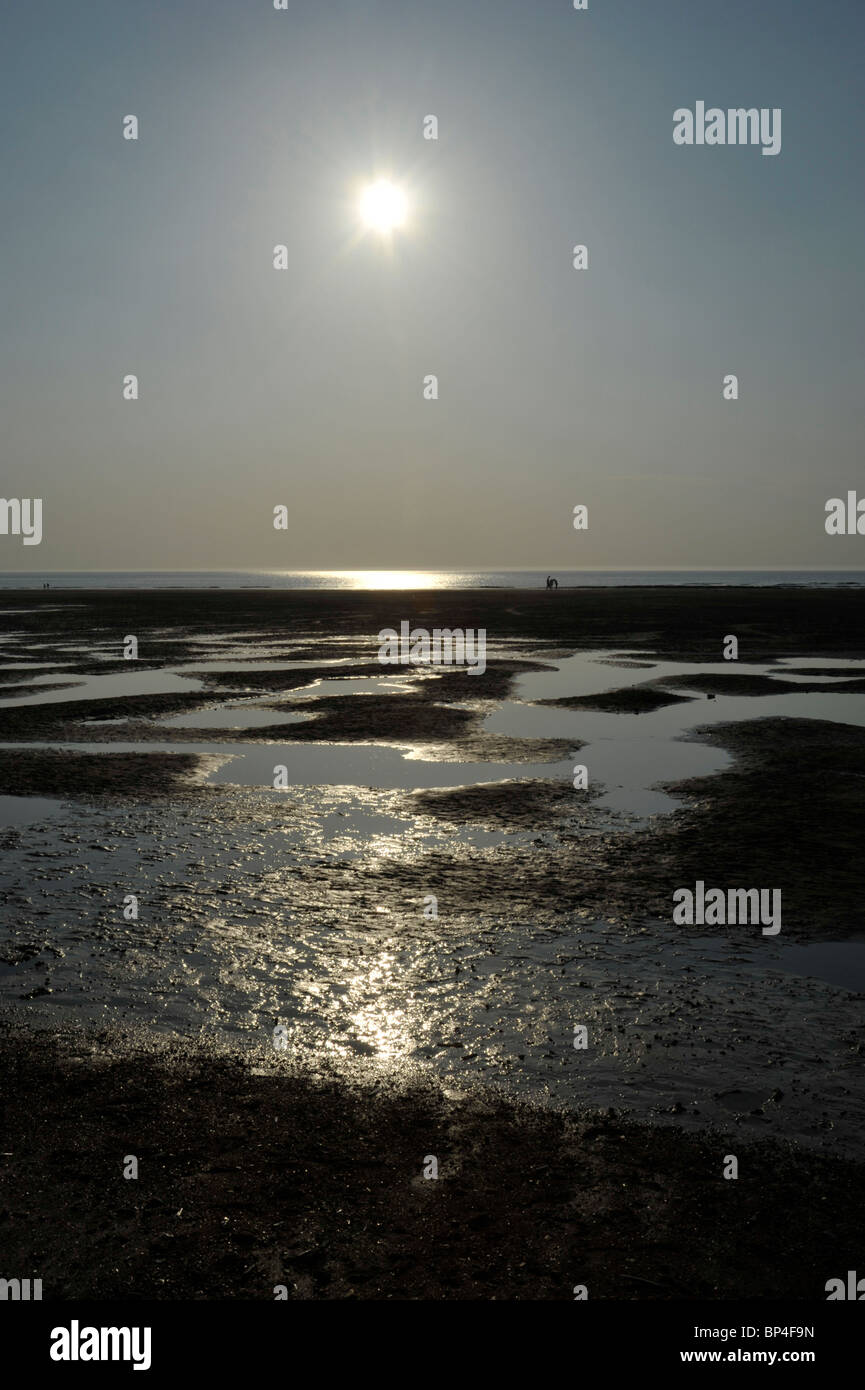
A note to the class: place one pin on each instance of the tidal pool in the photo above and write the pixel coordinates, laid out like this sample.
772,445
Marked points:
27,810
326,764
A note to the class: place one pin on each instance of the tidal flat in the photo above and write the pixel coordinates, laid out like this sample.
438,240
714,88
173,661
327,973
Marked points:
428,908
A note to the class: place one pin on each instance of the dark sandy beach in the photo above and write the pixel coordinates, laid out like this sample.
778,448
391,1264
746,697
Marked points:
306,1169
251,1178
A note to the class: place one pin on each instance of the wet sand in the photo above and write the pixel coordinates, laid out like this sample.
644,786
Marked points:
672,622
534,1199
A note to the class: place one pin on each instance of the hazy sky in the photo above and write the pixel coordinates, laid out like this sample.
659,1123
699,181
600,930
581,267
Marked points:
304,387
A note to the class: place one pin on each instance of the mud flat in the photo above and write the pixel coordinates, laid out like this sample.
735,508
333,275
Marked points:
790,813
673,622
306,905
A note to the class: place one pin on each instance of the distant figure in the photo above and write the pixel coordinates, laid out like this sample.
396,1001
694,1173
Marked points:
552,583
710,697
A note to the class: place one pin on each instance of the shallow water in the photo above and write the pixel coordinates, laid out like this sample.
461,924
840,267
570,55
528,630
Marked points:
36,666
355,685
231,666
118,685
592,673
839,963
631,753
255,913
229,717
28,810
326,764
851,662
624,753
230,941
627,755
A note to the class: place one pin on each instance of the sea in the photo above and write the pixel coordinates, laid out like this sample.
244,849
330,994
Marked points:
424,579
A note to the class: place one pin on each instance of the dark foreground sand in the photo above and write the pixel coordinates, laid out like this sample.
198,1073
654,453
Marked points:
251,1178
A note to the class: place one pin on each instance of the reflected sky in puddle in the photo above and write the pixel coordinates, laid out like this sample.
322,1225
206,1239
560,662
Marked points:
36,666
270,665
839,963
27,810
628,755
592,673
631,753
363,765
625,753
386,766
354,685
231,717
183,680
110,687
854,663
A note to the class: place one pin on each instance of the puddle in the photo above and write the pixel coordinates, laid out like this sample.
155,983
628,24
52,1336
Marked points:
230,717
117,686
592,673
36,666
630,754
354,685
840,963
743,1102
27,810
625,753
383,766
815,680
854,663
307,663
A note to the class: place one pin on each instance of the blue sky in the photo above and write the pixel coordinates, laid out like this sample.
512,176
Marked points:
304,387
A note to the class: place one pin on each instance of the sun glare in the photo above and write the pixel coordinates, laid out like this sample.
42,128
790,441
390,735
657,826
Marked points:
383,206
392,579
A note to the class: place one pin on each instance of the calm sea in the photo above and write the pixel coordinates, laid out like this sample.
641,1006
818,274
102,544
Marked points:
421,579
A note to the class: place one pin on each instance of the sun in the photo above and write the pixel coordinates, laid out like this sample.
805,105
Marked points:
383,206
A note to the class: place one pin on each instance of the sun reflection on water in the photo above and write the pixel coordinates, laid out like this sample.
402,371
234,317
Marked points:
395,579
381,1016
